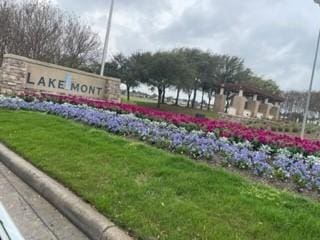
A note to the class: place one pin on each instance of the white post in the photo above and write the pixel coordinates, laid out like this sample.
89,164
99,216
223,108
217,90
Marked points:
255,97
306,110
106,41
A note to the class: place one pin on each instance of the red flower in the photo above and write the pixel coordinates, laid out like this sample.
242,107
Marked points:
227,128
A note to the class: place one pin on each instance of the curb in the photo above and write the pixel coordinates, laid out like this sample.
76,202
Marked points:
81,214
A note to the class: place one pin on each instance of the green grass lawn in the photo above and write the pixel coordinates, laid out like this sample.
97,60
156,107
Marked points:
170,108
152,193
136,99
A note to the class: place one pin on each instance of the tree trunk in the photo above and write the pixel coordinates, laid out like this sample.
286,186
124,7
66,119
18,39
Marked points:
128,93
163,94
209,102
177,98
159,97
209,99
202,99
194,98
189,98
228,104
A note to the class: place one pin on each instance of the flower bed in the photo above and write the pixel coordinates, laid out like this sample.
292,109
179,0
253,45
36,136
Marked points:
282,164
223,128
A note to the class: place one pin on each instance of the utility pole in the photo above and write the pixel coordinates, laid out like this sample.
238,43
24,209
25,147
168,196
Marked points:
306,110
106,41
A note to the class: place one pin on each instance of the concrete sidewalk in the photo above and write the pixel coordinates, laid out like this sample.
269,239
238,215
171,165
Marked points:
35,218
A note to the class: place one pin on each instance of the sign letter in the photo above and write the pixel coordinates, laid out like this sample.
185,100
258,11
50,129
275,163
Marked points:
61,84
92,90
99,90
51,83
75,87
28,79
42,82
84,88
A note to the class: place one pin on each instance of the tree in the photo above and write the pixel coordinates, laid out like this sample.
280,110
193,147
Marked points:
204,73
194,58
80,44
216,64
295,102
126,69
172,70
183,82
183,74
266,85
130,74
186,72
199,61
39,30
209,75
230,68
314,102
159,70
6,11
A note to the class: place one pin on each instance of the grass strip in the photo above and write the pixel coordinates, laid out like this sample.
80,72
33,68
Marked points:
152,193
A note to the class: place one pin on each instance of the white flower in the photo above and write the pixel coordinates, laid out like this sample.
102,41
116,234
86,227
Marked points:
224,139
314,159
265,148
284,151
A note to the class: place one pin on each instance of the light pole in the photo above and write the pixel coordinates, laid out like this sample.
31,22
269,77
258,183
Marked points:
306,110
106,41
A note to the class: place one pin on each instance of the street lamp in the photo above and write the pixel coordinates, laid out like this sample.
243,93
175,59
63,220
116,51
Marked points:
106,41
311,82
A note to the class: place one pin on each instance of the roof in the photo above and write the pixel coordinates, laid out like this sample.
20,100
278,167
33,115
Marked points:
250,90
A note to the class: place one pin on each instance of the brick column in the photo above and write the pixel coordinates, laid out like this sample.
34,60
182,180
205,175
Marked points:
219,101
275,111
239,103
253,106
13,76
265,108
112,89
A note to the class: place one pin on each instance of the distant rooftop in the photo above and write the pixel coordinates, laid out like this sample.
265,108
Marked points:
250,90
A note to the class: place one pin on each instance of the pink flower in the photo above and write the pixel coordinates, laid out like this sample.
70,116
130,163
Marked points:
227,128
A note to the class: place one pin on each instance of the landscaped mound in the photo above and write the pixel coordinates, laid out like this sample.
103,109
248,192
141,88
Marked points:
154,194
261,160
221,127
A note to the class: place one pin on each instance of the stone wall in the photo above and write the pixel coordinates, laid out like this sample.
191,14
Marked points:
275,112
253,106
112,89
265,108
13,74
20,75
219,103
239,102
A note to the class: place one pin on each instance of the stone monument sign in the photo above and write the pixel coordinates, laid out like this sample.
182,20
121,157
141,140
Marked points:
20,75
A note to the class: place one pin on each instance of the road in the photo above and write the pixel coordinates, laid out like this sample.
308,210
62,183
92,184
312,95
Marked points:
35,218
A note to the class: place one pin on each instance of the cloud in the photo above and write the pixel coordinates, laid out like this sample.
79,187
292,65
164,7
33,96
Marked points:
275,37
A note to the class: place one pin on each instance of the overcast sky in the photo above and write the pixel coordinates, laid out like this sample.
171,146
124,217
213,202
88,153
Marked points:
275,37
